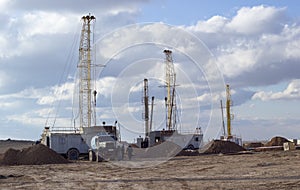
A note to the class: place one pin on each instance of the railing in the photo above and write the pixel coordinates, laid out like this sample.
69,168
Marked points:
191,131
65,130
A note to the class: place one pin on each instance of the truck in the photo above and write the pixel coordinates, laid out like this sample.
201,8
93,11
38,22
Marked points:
106,147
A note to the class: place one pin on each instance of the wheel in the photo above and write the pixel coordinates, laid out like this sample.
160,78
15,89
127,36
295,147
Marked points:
73,154
92,155
191,147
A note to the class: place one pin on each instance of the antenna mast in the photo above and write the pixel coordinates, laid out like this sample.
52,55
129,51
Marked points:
84,66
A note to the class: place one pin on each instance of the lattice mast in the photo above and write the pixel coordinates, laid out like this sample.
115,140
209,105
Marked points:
170,85
146,105
84,66
223,123
228,114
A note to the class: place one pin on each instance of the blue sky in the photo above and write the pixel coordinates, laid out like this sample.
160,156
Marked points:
255,44
178,13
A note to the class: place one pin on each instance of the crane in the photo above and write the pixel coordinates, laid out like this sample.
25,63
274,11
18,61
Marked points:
84,66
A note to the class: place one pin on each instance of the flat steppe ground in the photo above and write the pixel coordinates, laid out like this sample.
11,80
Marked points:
263,170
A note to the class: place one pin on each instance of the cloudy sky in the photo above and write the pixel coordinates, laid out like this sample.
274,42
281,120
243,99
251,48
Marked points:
252,45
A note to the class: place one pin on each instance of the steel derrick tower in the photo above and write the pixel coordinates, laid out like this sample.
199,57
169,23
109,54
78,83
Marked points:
84,66
170,100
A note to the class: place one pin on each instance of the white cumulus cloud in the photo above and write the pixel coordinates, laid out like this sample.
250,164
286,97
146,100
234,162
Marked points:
292,91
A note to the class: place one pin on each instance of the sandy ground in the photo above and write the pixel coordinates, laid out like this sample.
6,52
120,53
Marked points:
264,170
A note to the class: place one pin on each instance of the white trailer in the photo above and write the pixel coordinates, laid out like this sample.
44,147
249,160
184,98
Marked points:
70,145
73,144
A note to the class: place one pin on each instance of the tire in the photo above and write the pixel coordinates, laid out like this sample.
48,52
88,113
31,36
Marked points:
92,155
73,154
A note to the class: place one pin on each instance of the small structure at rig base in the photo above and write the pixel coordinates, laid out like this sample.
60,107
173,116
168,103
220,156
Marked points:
235,139
185,141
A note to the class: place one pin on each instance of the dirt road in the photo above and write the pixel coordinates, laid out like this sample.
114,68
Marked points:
264,170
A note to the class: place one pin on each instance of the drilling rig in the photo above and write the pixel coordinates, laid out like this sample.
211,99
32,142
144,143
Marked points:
192,140
72,142
84,67
228,136
228,114
170,100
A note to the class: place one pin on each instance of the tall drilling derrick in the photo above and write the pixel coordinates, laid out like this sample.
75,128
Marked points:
170,85
228,114
146,104
84,66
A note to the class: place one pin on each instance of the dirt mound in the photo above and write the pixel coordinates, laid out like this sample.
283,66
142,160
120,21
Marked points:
276,141
218,146
34,155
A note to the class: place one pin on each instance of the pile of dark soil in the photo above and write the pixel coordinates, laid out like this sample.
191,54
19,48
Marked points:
276,141
34,155
224,147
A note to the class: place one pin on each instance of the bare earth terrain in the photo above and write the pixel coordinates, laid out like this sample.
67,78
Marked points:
263,170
